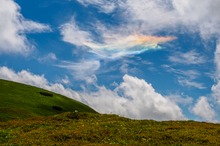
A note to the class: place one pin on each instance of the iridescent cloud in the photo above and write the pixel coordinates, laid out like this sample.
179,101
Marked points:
132,44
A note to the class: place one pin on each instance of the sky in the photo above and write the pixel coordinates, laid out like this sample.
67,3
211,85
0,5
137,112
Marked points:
142,59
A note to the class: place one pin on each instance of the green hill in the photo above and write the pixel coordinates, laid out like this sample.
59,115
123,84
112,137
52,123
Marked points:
33,116
18,101
74,128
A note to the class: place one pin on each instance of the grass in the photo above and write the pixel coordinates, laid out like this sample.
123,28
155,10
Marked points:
33,116
19,101
74,128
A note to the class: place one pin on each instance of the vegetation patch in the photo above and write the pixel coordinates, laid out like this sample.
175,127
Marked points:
46,94
19,101
4,136
57,108
77,128
28,118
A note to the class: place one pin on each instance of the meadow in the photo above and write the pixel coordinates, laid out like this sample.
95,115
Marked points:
78,128
33,116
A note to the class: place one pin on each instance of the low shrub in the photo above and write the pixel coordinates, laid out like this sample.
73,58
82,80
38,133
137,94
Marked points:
46,94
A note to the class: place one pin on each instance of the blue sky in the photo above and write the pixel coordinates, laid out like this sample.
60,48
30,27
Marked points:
144,59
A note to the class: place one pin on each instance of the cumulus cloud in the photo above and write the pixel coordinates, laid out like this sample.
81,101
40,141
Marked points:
204,110
180,99
134,98
13,27
73,34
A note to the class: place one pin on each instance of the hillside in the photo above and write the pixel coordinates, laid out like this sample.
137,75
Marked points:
18,101
96,129
33,116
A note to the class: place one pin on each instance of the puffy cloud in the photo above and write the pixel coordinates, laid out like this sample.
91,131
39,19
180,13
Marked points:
29,78
13,27
204,110
73,34
180,99
134,98
202,16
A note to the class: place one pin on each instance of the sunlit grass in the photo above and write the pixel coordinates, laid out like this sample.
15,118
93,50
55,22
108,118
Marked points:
96,129
18,101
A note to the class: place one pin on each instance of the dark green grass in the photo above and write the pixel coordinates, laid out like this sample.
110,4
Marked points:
18,101
96,129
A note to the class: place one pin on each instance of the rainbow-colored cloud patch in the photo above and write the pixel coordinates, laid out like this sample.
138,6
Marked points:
132,44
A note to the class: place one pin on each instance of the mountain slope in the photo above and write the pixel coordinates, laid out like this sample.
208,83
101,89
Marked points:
24,101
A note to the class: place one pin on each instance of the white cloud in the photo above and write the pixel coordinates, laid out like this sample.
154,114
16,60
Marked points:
13,27
216,91
48,58
186,78
180,99
102,5
190,83
113,44
134,98
194,15
84,70
40,81
73,34
145,18
149,16
155,15
199,15
216,87
204,110
65,80
189,58
217,60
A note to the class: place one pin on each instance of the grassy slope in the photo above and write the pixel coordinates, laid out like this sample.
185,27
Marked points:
96,129
23,101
